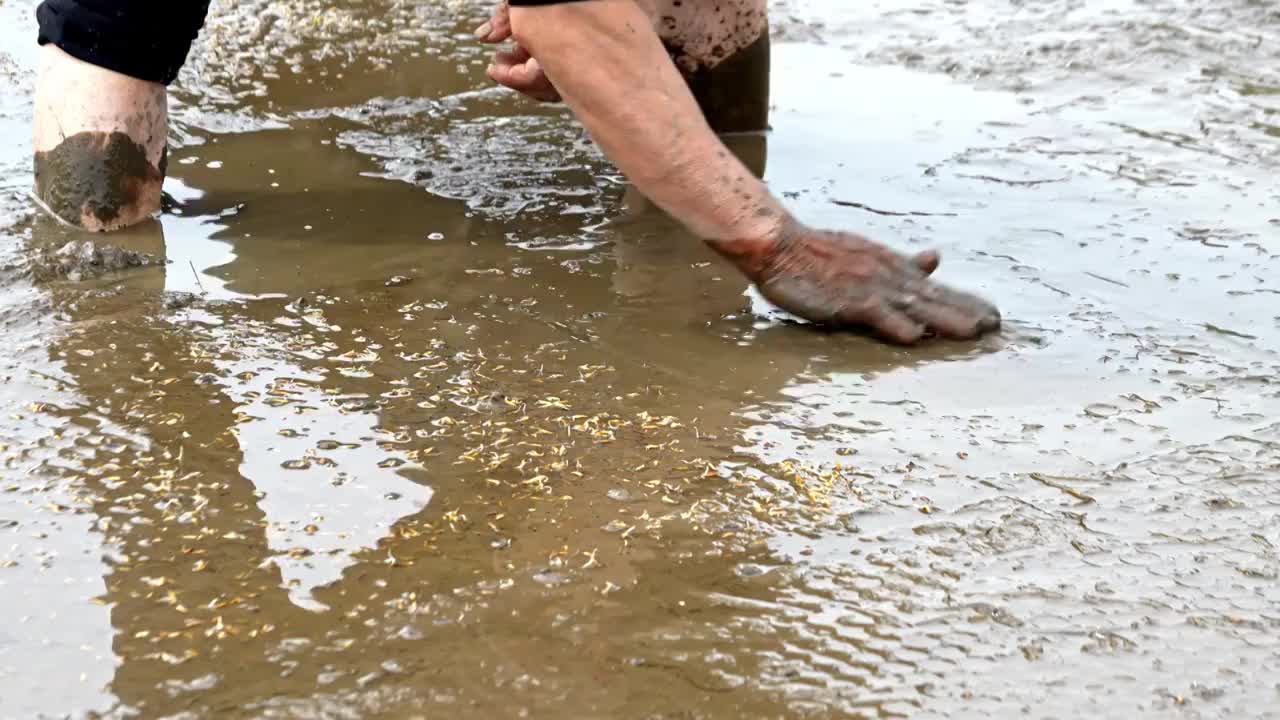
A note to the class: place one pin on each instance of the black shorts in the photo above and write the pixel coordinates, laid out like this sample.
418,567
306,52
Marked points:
145,39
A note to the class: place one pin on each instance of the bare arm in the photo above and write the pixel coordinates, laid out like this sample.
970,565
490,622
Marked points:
613,71
605,60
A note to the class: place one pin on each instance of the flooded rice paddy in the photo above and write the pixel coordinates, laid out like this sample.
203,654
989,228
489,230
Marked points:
408,407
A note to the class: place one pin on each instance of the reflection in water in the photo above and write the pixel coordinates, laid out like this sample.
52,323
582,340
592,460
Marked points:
415,422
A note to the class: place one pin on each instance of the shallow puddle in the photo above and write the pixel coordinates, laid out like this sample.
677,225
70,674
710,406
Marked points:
428,414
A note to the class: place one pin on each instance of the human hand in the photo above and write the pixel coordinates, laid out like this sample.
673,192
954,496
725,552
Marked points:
841,279
515,68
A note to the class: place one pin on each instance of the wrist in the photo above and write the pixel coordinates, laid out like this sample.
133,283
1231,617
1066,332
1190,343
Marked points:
754,246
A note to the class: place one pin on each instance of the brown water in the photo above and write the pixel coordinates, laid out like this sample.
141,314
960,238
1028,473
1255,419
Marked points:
427,416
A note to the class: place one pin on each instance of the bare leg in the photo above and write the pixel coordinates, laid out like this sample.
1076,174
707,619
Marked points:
100,143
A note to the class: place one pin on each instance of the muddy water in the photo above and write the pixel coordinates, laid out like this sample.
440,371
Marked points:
427,415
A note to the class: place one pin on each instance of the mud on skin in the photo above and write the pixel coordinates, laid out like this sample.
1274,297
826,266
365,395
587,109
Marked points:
97,179
841,279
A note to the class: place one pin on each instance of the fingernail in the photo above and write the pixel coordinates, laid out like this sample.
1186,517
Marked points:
483,31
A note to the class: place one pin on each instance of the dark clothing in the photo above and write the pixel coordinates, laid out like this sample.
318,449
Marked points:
150,40
145,39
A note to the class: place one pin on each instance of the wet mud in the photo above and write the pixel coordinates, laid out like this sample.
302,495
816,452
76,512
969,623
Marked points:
79,259
425,414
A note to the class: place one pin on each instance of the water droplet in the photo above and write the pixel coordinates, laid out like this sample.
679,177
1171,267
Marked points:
408,632
550,578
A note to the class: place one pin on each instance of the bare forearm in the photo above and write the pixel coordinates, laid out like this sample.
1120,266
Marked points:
612,70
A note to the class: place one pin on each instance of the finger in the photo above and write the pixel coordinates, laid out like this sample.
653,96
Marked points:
954,314
927,261
946,321
985,314
527,77
517,55
500,74
528,74
540,85
893,324
510,76
505,65
498,27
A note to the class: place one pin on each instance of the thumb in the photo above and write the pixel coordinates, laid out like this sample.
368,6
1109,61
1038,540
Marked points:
498,27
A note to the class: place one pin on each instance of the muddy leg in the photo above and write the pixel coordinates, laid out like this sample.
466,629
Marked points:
101,112
99,140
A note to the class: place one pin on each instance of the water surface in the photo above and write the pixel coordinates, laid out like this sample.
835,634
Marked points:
428,415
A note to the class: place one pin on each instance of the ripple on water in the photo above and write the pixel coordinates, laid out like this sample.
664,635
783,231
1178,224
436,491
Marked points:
522,488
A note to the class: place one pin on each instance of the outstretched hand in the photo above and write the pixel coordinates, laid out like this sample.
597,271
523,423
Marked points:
840,280
515,68
834,279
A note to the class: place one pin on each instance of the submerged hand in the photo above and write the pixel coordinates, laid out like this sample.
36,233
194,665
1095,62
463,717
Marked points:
840,279
515,68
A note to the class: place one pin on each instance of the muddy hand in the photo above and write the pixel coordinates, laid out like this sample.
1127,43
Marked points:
840,279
